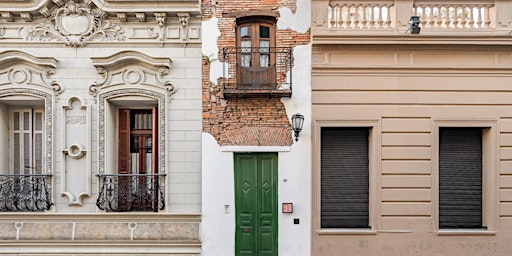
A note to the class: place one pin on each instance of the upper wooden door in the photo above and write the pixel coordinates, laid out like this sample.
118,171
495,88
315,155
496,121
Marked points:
256,61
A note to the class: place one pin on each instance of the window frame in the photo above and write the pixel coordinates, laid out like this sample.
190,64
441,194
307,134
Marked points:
374,177
490,173
255,68
33,110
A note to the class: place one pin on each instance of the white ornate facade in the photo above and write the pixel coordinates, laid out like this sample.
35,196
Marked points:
68,70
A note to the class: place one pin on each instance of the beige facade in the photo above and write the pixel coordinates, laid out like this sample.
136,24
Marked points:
68,70
369,71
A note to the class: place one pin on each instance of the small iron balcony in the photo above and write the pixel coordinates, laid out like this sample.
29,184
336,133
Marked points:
257,71
25,192
131,192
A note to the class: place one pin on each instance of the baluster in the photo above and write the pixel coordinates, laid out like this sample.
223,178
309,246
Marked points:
487,19
451,16
359,16
364,15
479,19
344,16
330,16
461,16
372,16
435,16
387,20
471,20
337,16
352,15
380,20
431,21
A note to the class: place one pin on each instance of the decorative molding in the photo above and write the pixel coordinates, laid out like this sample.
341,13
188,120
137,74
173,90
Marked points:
408,47
20,69
103,97
76,123
133,69
76,25
183,19
161,20
2,32
48,107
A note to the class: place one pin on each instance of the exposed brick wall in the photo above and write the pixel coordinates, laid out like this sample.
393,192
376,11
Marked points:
245,121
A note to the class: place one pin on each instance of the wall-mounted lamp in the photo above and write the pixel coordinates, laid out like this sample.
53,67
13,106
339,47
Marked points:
414,23
297,122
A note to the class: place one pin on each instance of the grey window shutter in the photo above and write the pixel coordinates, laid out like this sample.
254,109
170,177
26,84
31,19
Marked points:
460,178
344,177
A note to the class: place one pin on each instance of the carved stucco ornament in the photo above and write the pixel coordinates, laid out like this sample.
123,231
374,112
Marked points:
76,25
131,69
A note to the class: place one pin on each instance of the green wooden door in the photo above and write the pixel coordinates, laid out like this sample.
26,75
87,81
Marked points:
256,204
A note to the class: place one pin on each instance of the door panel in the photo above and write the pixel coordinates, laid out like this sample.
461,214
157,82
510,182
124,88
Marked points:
256,204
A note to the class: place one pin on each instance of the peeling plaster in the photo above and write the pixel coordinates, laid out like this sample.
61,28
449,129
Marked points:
298,21
210,34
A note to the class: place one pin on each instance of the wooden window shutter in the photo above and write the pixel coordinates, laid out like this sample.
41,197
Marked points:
124,141
460,178
155,140
344,178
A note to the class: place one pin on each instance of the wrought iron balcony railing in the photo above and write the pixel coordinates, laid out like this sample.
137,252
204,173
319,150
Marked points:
257,70
131,192
24,192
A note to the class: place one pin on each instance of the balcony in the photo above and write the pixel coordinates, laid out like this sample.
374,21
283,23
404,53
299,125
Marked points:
25,193
257,72
355,20
131,192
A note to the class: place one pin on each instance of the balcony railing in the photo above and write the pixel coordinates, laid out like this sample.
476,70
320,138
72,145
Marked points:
257,70
391,16
131,192
25,192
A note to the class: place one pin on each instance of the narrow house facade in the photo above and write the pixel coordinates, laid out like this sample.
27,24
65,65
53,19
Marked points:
256,175
100,123
411,127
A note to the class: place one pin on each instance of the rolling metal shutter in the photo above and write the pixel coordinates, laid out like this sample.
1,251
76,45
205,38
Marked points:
460,178
344,177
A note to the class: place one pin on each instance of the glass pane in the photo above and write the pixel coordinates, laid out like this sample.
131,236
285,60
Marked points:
16,117
149,163
264,60
26,153
39,121
245,32
149,145
26,121
38,154
246,60
264,32
134,163
264,46
17,153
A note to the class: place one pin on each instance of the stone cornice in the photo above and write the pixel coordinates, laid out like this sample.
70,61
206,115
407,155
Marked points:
146,217
10,10
8,58
408,47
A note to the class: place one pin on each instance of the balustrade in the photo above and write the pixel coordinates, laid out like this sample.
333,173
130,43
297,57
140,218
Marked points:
454,16
391,15
359,15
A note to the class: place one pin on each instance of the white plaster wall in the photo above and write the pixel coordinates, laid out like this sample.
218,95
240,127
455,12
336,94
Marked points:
294,163
75,73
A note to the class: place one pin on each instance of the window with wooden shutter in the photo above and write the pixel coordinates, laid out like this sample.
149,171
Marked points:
344,177
460,178
27,132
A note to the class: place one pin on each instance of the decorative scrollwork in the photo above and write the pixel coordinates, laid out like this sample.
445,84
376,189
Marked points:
25,192
76,24
131,192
